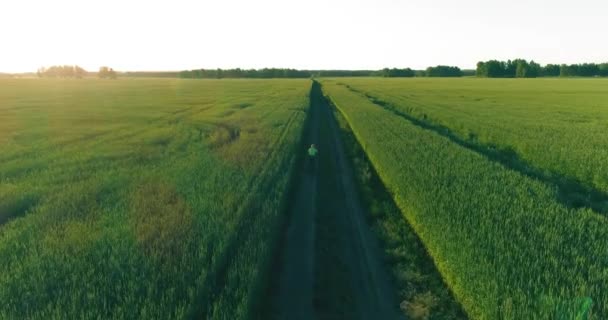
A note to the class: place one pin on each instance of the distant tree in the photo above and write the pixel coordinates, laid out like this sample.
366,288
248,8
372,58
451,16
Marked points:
443,71
525,69
603,70
65,71
510,68
420,73
582,70
394,72
534,69
495,69
79,72
550,70
567,70
521,68
106,73
517,68
68,72
482,69
588,70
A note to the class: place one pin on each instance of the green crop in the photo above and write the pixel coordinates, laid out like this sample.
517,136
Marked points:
141,199
507,247
556,126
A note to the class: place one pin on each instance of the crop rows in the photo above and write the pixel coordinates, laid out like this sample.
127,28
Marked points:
503,243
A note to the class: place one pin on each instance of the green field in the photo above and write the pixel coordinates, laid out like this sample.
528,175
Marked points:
172,198
142,198
476,167
557,126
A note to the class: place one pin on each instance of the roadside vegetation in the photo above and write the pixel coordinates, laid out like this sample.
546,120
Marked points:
169,198
551,128
421,290
142,199
504,244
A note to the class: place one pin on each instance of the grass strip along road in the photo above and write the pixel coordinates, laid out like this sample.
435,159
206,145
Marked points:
420,287
550,129
505,245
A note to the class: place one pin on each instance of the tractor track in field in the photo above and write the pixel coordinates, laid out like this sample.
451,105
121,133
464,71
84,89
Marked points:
327,195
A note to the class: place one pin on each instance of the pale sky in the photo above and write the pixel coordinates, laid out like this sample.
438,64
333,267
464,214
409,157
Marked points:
304,34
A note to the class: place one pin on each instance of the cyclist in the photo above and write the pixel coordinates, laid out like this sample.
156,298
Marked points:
312,154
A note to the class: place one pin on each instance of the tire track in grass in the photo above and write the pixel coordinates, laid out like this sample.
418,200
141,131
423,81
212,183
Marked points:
213,287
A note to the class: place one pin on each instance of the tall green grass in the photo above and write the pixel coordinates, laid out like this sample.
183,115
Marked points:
503,243
420,288
556,125
148,198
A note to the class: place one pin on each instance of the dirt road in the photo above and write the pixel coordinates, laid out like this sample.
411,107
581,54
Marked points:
331,265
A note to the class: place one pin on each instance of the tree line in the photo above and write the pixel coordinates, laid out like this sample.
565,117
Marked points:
517,68
438,71
244,73
342,73
106,73
386,72
267,73
443,71
67,71
395,73
520,68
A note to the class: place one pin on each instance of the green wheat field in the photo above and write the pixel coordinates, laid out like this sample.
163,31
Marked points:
165,198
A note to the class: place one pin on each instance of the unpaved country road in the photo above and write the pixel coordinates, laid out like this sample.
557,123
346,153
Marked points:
356,248
373,294
295,289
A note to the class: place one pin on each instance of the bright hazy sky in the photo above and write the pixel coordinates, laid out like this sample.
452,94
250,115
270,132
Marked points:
304,34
